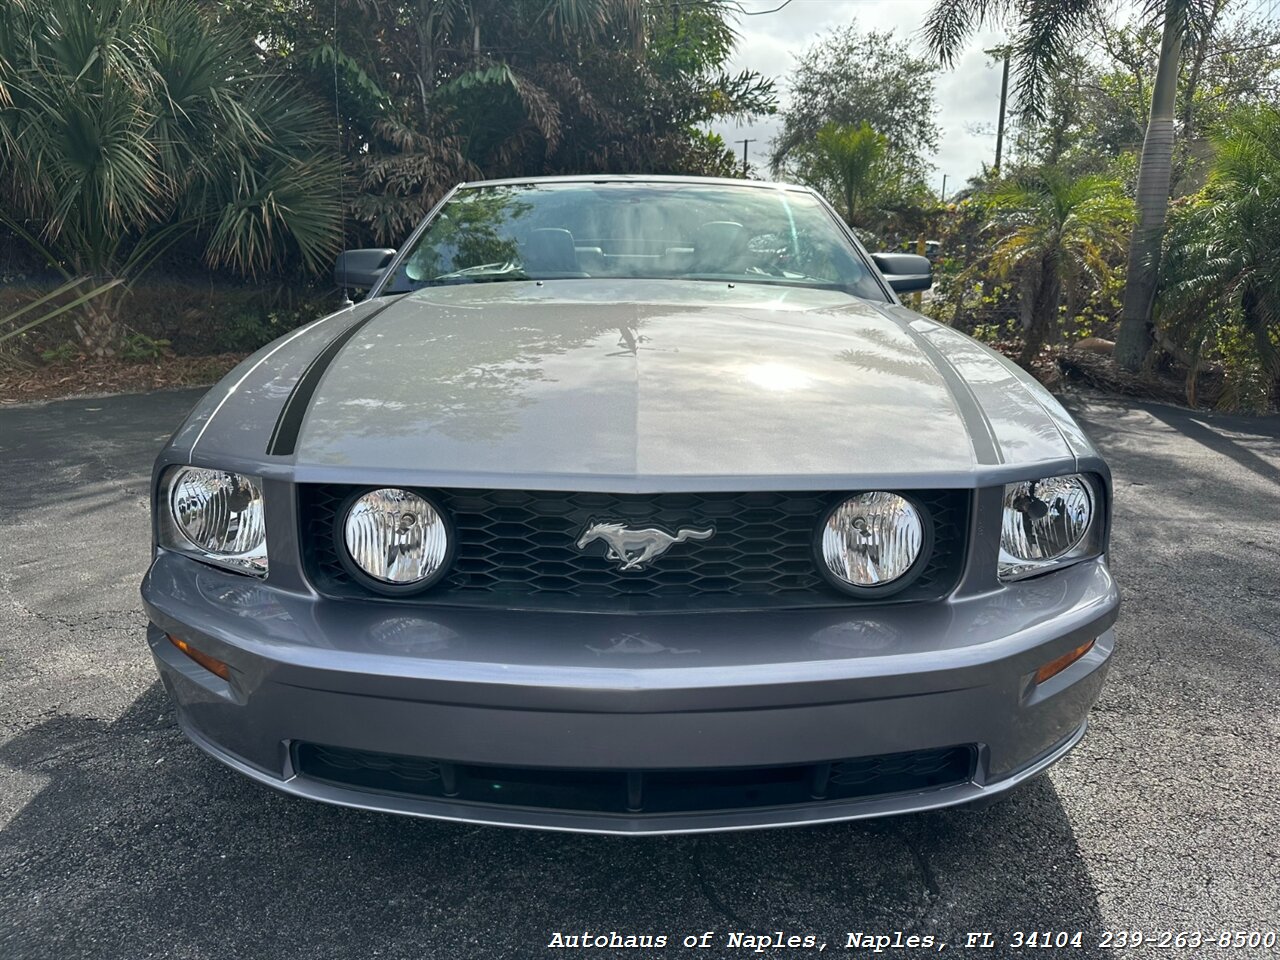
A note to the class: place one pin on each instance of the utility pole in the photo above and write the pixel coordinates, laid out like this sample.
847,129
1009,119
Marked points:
1004,52
744,153
943,196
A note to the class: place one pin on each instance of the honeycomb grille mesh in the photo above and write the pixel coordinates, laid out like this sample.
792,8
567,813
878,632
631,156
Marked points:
921,764
415,769
516,545
639,791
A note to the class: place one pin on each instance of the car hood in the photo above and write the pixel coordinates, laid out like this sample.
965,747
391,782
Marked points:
625,383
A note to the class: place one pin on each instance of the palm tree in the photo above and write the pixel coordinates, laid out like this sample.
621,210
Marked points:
856,168
1221,281
1044,35
128,124
78,298
1053,235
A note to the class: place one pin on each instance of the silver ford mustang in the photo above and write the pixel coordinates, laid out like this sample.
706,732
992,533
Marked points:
631,505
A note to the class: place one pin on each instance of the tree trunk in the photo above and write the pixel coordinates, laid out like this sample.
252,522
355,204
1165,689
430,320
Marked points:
1134,339
1028,296
98,328
1044,311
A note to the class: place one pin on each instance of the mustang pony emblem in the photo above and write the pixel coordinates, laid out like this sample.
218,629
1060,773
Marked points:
635,548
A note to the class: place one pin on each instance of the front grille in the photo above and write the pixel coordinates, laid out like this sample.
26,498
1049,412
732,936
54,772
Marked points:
638,791
519,548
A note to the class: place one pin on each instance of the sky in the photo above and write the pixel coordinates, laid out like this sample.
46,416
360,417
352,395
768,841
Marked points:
966,96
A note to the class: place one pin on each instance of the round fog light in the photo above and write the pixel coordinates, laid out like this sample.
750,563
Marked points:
871,541
396,537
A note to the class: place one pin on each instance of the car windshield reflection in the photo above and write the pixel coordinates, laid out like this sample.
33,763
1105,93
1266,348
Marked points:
628,230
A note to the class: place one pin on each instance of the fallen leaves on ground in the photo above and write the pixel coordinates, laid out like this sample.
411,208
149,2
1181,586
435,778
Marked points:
86,375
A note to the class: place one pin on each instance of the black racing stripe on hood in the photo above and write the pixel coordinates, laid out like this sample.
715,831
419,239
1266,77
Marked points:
284,437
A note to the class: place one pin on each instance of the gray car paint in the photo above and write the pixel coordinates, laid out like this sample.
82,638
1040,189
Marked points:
632,385
236,417
642,378
647,385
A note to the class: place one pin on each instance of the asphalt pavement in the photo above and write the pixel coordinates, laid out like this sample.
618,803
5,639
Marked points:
118,839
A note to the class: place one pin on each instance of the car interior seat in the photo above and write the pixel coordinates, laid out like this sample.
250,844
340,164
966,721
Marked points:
718,247
550,251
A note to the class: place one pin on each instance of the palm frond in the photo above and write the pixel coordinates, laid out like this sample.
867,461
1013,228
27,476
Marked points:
129,122
1220,284
950,23
56,311
1047,32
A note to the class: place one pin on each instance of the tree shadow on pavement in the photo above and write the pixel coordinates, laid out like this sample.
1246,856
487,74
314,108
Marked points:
86,447
1194,428
133,844
1106,424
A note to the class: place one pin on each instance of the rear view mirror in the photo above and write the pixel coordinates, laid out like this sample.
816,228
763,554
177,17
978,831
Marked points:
905,272
361,269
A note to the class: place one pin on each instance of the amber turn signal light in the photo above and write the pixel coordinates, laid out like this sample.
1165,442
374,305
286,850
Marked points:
213,665
1055,667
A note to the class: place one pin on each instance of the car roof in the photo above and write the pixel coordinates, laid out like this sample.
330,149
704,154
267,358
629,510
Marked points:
637,178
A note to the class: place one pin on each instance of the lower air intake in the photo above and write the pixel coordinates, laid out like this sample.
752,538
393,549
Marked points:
638,791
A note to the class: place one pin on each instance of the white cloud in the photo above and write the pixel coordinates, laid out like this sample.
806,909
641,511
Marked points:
966,95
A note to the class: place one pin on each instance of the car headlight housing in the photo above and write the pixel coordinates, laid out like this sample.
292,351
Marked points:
1047,524
394,540
215,516
872,542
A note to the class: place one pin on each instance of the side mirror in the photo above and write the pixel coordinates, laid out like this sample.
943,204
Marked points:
360,269
906,272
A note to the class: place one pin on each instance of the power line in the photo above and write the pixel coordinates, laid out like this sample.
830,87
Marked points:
1267,9
737,6
758,13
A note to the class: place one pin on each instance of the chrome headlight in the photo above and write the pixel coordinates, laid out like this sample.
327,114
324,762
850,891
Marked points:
871,541
1047,523
215,516
395,538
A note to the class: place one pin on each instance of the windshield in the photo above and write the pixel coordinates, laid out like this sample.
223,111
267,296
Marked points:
691,231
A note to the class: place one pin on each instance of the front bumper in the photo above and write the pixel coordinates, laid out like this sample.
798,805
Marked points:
665,692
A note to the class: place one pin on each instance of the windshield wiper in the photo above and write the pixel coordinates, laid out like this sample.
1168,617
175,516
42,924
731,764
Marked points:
485,273
803,282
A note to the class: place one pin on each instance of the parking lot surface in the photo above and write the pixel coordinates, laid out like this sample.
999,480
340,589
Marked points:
118,839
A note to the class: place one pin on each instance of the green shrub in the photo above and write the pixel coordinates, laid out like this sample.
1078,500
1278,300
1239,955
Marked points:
247,330
1220,290
62,353
138,346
